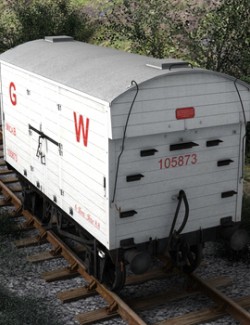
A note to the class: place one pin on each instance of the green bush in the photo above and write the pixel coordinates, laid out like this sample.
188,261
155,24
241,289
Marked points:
26,20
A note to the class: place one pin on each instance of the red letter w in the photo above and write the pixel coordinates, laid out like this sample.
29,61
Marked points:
81,129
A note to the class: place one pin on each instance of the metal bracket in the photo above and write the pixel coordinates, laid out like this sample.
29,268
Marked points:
91,286
60,146
44,136
112,307
39,151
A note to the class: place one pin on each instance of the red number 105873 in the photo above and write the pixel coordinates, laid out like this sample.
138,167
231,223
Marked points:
178,161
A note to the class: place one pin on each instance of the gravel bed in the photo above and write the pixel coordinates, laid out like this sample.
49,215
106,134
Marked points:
21,285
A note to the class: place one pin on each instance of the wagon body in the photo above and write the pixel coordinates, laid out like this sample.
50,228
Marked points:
111,138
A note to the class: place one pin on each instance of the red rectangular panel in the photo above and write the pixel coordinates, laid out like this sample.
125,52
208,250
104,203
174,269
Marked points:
184,113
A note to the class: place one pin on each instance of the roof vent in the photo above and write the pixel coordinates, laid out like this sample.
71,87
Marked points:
57,39
168,65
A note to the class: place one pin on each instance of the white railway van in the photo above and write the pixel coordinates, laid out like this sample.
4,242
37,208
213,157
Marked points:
136,156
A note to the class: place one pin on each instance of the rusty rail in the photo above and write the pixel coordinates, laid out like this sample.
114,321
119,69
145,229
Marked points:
226,303
116,304
10,197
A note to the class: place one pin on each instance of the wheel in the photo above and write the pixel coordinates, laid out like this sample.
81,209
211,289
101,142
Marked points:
114,276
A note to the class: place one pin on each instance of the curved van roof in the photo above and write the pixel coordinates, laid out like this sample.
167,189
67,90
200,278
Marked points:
97,71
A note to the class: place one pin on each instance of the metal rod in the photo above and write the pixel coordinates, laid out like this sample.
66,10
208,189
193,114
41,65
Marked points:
226,303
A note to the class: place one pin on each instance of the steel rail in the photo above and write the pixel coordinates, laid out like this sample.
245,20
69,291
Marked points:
226,303
114,301
10,197
116,304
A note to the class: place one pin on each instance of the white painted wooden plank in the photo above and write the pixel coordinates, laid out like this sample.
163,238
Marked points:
85,170
148,129
131,161
20,112
154,109
155,116
163,223
184,182
161,141
193,193
69,96
82,160
84,107
96,207
177,173
82,191
168,208
20,140
95,138
18,145
161,232
149,188
86,189
224,150
173,125
95,224
170,103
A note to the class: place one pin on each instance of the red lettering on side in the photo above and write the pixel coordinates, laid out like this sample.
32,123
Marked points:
94,222
12,154
178,161
12,89
11,129
81,129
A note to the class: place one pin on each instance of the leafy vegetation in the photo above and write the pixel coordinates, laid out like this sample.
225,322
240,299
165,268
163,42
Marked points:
148,27
25,20
221,39
211,34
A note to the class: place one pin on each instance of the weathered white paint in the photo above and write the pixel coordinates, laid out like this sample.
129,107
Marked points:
83,177
152,197
79,172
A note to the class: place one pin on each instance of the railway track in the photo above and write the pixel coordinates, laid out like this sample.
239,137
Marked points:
126,308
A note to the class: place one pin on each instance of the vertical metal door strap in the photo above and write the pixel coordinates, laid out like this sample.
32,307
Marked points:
245,122
124,135
241,101
39,151
182,197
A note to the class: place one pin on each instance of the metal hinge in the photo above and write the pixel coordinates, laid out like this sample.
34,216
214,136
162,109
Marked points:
60,146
